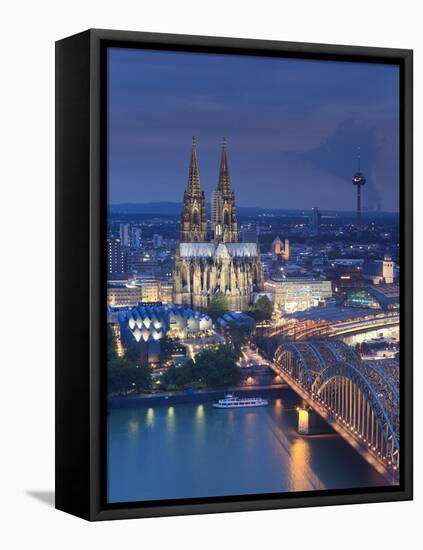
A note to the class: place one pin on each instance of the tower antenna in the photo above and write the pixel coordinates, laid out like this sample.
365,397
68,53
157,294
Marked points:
359,180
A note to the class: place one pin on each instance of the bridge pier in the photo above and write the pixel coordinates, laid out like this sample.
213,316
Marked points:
311,423
303,420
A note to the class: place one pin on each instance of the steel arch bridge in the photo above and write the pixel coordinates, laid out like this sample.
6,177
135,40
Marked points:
363,397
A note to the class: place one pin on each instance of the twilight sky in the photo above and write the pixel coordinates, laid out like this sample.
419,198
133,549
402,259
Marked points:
293,128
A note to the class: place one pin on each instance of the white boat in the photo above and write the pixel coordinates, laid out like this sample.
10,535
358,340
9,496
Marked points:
232,402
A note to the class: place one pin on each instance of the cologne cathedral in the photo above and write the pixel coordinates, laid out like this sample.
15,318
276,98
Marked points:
219,265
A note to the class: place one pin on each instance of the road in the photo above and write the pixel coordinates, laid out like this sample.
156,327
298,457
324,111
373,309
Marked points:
251,358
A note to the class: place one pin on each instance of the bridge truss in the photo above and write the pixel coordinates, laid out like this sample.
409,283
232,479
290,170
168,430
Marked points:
361,396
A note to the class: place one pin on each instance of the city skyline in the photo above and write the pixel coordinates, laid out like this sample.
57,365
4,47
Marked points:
214,303
300,121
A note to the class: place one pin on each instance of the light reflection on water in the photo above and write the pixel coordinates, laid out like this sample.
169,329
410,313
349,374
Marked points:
278,407
300,464
133,425
170,424
199,427
195,450
150,417
199,415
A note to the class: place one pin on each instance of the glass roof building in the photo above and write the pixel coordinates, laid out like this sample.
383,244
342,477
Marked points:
383,297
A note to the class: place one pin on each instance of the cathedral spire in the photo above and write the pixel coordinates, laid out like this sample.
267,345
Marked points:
193,219
224,221
194,173
224,184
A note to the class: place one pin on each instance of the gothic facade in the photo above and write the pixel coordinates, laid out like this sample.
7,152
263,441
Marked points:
224,222
220,265
194,219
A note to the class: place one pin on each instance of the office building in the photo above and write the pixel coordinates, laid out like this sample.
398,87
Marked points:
125,234
298,293
157,241
115,256
122,295
315,220
136,237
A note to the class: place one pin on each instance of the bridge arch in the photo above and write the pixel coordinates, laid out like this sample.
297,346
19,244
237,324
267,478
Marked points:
351,395
360,395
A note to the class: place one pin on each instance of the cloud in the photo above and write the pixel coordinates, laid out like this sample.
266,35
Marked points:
337,156
294,127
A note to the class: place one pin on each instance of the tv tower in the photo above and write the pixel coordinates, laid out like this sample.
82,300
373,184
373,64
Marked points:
358,180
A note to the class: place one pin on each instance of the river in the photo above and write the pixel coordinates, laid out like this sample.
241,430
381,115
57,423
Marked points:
194,450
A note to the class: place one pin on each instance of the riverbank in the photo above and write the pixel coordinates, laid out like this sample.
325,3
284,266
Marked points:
199,396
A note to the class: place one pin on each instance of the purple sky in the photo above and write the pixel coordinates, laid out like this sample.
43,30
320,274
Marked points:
293,128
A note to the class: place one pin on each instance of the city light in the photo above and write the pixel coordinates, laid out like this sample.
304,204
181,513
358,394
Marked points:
303,302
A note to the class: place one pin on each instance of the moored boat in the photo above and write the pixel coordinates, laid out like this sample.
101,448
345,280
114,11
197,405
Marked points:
232,402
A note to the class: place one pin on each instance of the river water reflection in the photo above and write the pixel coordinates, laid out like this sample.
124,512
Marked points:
194,450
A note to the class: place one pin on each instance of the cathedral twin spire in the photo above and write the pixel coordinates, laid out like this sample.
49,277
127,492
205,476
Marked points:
194,220
194,173
224,184
224,222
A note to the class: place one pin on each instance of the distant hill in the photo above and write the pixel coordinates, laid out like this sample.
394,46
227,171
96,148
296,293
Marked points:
146,208
174,209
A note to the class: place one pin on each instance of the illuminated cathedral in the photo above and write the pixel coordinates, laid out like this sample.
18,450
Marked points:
219,265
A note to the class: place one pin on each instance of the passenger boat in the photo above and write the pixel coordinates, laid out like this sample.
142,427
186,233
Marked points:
232,402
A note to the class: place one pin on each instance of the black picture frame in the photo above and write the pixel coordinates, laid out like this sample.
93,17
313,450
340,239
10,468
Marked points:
81,215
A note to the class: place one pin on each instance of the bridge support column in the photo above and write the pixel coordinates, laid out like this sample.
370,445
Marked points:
303,421
311,423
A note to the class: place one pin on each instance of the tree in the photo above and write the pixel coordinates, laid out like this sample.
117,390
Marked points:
218,368
124,376
212,368
179,377
164,352
239,334
218,306
111,344
262,310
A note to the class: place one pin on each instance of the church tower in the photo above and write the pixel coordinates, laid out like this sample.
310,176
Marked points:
388,269
220,268
194,219
224,222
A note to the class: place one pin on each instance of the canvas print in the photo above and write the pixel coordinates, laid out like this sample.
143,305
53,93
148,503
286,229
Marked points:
253,268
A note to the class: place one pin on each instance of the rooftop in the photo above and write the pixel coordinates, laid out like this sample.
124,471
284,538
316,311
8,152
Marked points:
210,250
384,294
235,316
331,314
